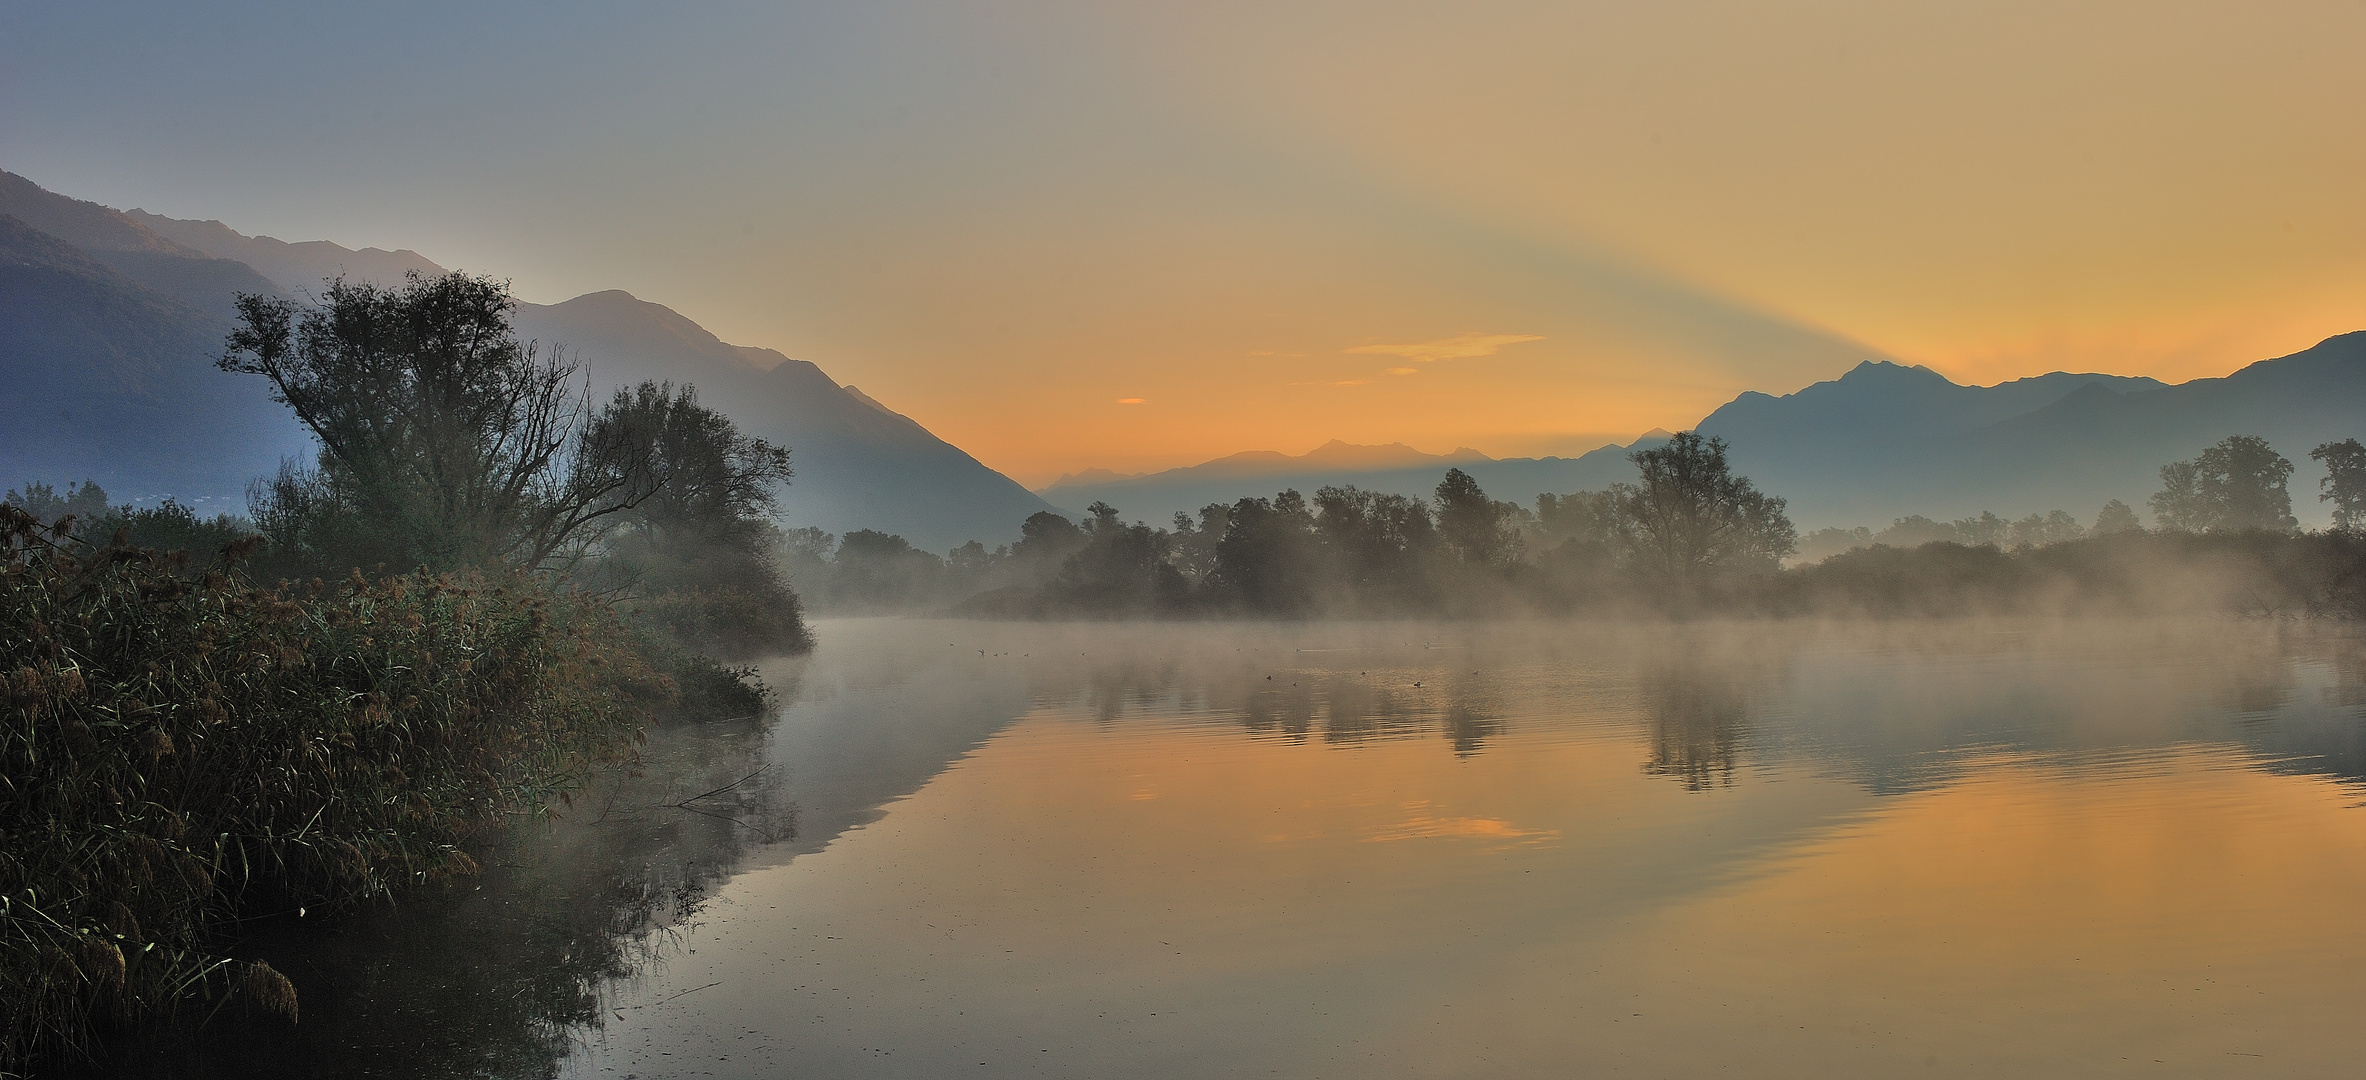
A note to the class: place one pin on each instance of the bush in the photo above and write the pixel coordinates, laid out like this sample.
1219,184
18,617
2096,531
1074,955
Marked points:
182,748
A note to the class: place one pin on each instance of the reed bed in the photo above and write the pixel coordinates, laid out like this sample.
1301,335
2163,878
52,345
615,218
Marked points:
181,748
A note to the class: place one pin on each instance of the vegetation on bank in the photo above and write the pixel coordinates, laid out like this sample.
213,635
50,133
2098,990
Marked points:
185,748
524,577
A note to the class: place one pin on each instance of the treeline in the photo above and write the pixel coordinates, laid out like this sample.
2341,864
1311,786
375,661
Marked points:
481,589
1686,536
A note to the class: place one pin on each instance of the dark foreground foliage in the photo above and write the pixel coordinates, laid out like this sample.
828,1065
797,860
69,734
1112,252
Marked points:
182,749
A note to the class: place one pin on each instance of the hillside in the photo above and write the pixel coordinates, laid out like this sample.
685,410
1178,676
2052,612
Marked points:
1884,441
120,314
300,267
132,249
113,381
859,464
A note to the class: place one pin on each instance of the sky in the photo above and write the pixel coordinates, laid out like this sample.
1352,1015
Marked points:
1066,235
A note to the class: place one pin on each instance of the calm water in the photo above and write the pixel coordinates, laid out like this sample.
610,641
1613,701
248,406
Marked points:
1380,850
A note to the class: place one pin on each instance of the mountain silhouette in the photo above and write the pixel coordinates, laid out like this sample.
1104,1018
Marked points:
113,381
111,321
1885,441
300,267
1394,468
132,249
859,463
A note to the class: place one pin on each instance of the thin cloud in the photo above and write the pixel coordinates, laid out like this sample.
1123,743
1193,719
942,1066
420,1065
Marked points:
1459,347
1133,401
1403,370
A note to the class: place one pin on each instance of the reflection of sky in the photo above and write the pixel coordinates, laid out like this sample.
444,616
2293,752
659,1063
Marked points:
1943,849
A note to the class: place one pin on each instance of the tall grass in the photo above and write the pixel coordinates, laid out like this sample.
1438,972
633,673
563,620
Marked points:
179,747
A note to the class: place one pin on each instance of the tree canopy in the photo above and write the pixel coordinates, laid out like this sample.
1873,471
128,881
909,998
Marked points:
1689,517
2238,484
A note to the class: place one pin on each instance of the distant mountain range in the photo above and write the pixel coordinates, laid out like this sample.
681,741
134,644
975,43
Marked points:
1881,442
110,321
1394,468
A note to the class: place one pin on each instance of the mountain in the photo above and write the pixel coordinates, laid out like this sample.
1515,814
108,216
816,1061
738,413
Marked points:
860,465
1394,468
1885,441
110,380
110,320
132,249
300,267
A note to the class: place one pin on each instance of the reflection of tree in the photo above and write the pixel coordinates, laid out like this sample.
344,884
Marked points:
1469,729
490,976
1699,720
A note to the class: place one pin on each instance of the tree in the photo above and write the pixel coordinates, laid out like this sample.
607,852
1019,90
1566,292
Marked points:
1690,518
707,485
1381,546
1045,541
81,502
2039,530
2115,517
699,552
1476,527
1268,558
1121,567
444,441
2344,484
2237,484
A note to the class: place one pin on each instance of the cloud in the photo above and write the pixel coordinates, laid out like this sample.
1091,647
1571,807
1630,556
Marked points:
1333,382
1133,401
1459,347
1403,370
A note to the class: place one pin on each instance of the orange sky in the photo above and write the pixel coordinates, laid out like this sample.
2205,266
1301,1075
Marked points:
1065,235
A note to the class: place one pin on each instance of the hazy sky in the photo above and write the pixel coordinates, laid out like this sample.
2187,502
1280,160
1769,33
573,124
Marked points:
1135,236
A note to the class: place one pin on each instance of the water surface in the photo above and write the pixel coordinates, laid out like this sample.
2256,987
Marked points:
1419,851
1405,850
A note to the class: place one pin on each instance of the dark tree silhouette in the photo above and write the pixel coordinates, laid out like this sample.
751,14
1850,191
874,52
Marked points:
1268,559
2344,484
1477,528
2236,485
1690,518
444,440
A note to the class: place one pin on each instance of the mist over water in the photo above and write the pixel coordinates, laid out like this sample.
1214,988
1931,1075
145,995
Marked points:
1405,850
1422,850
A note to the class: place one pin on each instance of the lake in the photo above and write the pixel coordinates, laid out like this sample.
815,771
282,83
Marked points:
1420,850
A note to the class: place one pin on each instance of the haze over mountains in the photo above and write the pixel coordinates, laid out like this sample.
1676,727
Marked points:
1881,442
110,320
1394,468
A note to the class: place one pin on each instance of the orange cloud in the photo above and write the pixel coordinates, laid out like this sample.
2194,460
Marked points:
1133,401
1459,347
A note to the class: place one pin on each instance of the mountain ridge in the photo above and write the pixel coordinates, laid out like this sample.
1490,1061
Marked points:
170,284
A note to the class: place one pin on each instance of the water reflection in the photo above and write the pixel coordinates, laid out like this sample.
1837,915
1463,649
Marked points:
1235,846
1700,717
